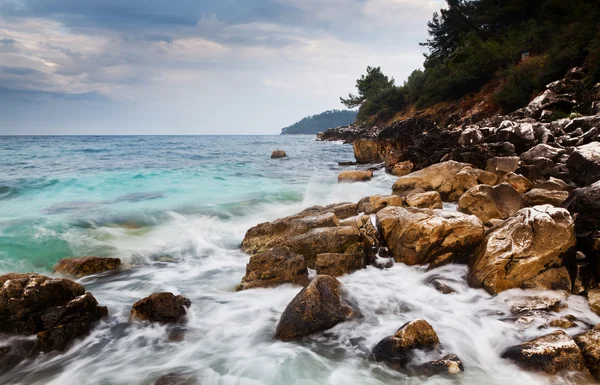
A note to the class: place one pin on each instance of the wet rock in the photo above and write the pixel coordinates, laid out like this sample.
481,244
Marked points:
336,265
557,278
319,306
553,353
341,210
489,202
277,154
584,163
375,203
352,176
346,164
536,303
538,197
566,322
84,266
442,287
396,350
161,307
402,168
518,182
589,343
59,311
516,253
275,267
421,236
585,279
451,179
367,151
449,364
503,165
594,300
426,200
175,379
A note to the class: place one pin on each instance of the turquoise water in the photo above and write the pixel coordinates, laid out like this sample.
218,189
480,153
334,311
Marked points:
175,210
60,195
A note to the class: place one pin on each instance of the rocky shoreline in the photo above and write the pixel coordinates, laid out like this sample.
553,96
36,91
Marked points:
526,193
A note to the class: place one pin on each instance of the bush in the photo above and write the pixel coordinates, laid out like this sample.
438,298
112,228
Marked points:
520,83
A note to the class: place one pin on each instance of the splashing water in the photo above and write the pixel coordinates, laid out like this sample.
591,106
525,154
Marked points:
175,209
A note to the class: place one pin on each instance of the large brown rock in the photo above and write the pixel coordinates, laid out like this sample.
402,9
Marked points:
502,165
277,154
367,151
58,310
336,265
491,202
319,306
426,200
594,300
553,353
584,163
84,266
538,197
516,253
275,267
352,176
451,179
396,350
402,168
375,203
267,235
589,343
421,236
161,307
341,239
518,182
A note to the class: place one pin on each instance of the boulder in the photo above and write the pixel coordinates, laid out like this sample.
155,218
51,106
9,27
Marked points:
451,179
426,200
58,310
552,184
275,267
277,154
367,151
491,202
375,203
84,266
282,231
566,322
542,151
449,364
594,300
538,197
589,344
336,265
420,236
402,168
584,163
396,350
518,182
319,306
161,307
522,251
471,136
553,353
503,165
352,176
522,135
392,158
584,205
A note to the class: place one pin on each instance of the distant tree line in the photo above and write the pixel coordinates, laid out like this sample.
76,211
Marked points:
473,42
321,122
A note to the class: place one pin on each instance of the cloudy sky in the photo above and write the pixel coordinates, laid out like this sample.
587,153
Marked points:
194,66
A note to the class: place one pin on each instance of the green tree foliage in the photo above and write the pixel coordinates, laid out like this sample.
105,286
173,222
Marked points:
368,86
320,122
473,42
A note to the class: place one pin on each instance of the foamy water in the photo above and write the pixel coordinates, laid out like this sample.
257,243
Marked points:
228,338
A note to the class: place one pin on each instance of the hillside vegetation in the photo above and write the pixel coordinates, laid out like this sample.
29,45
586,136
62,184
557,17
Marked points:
320,122
519,45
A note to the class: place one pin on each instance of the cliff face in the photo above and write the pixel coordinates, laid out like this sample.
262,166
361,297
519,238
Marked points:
471,131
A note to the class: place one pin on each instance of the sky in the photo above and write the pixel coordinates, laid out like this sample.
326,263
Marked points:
194,66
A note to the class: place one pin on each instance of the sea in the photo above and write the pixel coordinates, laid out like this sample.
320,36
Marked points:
175,209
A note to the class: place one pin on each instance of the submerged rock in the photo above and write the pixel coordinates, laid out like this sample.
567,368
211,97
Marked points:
84,266
275,267
449,364
525,252
175,379
319,306
351,176
451,179
161,307
397,350
278,154
491,202
421,236
553,353
58,310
